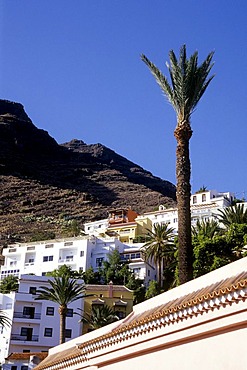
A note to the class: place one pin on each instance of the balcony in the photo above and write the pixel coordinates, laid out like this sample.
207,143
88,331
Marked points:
25,338
21,315
66,260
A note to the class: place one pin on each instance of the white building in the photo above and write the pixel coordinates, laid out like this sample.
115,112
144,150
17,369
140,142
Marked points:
35,323
79,253
204,206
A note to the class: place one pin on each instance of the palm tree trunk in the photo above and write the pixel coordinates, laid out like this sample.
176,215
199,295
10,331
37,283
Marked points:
62,313
183,134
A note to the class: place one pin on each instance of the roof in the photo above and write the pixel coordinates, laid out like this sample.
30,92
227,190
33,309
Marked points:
105,288
26,355
210,297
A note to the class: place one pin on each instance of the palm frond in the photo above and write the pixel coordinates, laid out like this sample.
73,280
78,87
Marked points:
188,80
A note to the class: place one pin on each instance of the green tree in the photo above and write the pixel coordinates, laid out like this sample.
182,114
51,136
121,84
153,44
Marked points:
159,248
188,83
9,284
63,291
233,215
92,277
152,290
100,316
116,270
65,270
4,319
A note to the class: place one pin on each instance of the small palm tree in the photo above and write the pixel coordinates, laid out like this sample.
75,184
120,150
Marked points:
206,229
100,316
233,215
188,83
4,319
159,247
63,291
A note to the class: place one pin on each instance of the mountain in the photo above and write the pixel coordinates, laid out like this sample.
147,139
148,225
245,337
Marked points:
44,185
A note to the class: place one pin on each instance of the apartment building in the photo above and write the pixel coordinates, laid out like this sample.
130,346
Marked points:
204,206
79,253
35,323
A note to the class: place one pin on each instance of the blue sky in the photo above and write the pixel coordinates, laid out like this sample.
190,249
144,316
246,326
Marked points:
76,68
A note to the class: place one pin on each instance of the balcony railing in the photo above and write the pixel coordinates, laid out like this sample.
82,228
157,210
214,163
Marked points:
21,315
25,338
68,259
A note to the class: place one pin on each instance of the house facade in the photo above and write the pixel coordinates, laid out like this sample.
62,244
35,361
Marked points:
35,323
117,297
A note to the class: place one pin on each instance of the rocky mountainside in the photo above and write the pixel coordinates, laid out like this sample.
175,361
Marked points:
44,185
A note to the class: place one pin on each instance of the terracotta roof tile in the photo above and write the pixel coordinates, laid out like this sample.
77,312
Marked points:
26,355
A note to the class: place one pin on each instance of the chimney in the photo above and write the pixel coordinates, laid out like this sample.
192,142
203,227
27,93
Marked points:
110,289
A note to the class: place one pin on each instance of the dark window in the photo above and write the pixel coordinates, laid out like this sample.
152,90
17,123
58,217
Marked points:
47,258
121,314
32,290
26,351
50,311
24,367
48,332
81,253
69,312
68,333
28,312
66,244
99,262
13,367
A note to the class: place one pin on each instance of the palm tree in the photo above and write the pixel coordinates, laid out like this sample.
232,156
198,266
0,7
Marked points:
62,291
100,316
159,247
206,228
233,215
188,83
4,319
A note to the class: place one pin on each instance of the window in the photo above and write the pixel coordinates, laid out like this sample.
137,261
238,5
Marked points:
50,311
48,332
30,248
99,261
66,244
13,367
69,312
81,253
32,290
49,245
24,367
68,333
47,258
26,351
69,258
121,314
204,197
148,272
194,199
